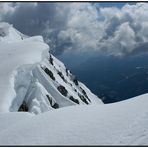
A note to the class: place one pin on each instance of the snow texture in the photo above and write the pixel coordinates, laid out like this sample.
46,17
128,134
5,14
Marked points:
122,123
33,80
28,72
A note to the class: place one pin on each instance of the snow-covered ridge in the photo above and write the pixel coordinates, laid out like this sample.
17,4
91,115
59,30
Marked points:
9,34
33,80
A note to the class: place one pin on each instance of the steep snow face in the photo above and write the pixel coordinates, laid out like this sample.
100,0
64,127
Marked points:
33,80
14,56
122,123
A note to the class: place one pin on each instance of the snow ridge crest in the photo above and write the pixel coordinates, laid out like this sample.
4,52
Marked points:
36,80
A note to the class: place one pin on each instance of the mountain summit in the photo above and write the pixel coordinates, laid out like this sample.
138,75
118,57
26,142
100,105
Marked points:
32,79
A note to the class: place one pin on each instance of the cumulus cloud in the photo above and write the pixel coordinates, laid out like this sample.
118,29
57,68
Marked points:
6,9
82,26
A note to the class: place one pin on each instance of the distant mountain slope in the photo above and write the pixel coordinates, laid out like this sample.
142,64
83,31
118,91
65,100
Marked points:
112,78
33,80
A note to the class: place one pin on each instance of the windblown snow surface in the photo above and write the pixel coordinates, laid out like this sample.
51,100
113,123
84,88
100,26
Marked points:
54,107
123,123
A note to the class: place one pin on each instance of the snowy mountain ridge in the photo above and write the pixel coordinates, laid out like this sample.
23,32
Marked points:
32,79
9,34
33,84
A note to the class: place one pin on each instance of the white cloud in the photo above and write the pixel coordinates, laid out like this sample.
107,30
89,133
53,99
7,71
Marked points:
6,9
82,26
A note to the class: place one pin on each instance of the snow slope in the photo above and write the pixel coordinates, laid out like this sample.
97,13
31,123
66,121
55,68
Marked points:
9,34
67,112
122,123
33,80
13,55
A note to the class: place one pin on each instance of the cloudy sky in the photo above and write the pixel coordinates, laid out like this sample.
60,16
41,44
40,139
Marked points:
113,28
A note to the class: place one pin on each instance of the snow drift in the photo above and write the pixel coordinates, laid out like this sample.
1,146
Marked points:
122,123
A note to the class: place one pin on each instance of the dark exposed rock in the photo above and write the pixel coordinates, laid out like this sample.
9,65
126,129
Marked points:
75,81
75,90
66,71
73,99
85,94
62,90
73,78
49,73
61,75
83,98
88,99
51,60
23,107
70,72
55,105
49,99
